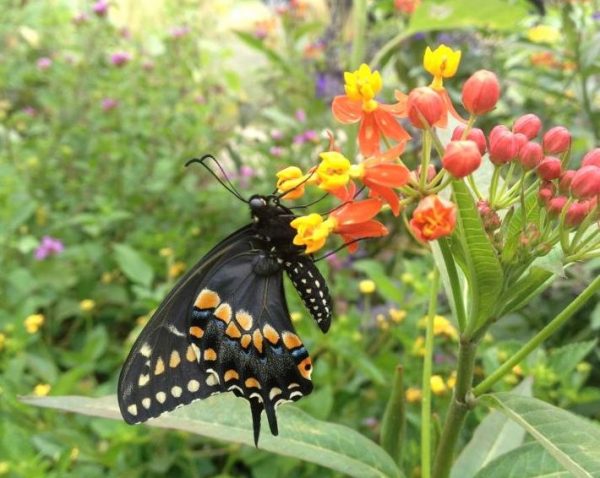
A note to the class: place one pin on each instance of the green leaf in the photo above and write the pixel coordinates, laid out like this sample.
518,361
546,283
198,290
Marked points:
133,265
483,272
494,436
453,14
564,359
527,461
528,286
227,418
385,286
515,226
258,45
571,440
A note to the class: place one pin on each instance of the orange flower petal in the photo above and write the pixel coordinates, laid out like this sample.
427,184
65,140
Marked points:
394,152
356,212
361,230
389,127
368,135
449,108
391,175
388,195
346,111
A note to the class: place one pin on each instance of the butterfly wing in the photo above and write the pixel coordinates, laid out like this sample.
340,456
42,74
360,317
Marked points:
232,332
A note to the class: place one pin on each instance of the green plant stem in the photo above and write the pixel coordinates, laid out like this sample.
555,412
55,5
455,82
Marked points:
388,47
393,424
359,23
427,368
542,335
454,283
425,158
462,402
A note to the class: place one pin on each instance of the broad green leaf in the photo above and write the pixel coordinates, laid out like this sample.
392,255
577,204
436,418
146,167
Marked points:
385,286
527,461
515,226
133,265
571,440
533,283
495,436
564,359
225,417
453,14
484,272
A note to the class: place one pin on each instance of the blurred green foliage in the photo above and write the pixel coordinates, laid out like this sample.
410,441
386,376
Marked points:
92,155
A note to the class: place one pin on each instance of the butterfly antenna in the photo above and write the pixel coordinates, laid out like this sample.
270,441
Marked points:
304,206
330,253
227,184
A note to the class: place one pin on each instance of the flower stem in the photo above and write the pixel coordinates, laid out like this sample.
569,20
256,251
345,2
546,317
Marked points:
427,368
462,402
542,335
359,23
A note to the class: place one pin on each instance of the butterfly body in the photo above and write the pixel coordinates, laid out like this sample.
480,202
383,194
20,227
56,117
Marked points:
226,327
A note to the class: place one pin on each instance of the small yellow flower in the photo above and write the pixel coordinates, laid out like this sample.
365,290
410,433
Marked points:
4,467
74,453
312,231
176,269
333,171
107,277
142,320
291,179
356,336
41,390
517,370
451,382
34,322
196,231
583,367
511,379
407,278
296,316
413,395
363,85
87,305
2,341
441,326
397,315
366,287
438,387
441,63
419,347
543,34
382,323
165,252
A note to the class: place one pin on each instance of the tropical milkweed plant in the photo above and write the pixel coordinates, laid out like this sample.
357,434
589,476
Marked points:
503,217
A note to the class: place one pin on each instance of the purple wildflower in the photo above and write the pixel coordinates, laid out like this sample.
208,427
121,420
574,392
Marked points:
100,8
277,134
44,63
276,151
300,115
311,135
419,36
109,104
30,111
596,15
48,247
120,58
179,31
328,84
299,139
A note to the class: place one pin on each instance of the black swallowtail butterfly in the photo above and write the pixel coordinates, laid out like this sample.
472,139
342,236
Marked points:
225,326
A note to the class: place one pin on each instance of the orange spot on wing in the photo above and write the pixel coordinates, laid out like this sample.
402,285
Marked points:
245,340
291,340
223,312
305,368
252,383
232,331
244,319
270,334
210,354
174,359
160,366
257,338
196,332
190,355
207,299
231,375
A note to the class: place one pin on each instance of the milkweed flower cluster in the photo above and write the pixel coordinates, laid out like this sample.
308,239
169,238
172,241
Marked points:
523,164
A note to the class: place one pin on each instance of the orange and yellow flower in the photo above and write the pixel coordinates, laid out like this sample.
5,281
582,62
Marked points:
291,181
313,231
433,218
359,105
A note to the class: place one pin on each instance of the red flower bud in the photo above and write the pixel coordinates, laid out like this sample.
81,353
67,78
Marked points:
503,147
556,140
416,174
521,140
577,213
475,135
546,192
586,182
425,107
564,185
529,125
555,205
461,158
480,92
591,158
496,131
530,155
549,168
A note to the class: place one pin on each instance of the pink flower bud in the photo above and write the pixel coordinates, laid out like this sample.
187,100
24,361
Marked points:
461,158
481,92
546,192
416,174
497,130
530,155
475,135
425,107
577,213
564,185
549,168
503,147
555,205
591,158
556,140
529,125
521,140
586,182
